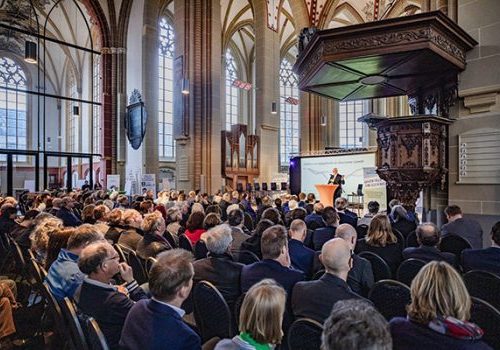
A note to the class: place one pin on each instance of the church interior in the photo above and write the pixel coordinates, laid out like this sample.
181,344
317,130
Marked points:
333,138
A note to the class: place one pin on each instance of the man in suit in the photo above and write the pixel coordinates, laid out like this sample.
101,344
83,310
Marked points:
65,213
156,323
301,257
324,234
487,259
275,263
315,299
346,216
466,228
428,238
360,277
108,304
315,219
336,179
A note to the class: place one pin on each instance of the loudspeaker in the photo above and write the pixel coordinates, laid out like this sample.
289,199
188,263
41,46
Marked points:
239,187
360,190
284,186
264,186
273,186
256,186
249,187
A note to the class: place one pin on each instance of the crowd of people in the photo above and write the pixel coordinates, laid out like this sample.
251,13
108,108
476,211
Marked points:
77,237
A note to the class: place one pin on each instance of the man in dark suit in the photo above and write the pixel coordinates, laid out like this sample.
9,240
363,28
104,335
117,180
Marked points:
301,257
315,299
157,323
487,259
428,237
108,304
315,219
336,179
324,234
275,263
466,228
345,215
66,213
360,277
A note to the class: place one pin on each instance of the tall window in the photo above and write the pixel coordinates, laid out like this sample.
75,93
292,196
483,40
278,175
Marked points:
165,102
231,91
72,118
289,113
351,131
96,109
13,107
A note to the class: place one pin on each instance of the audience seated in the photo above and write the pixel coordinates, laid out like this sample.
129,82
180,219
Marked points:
355,324
253,243
345,215
115,228
466,228
153,242
235,220
315,299
22,232
324,234
315,219
301,257
401,222
64,277
58,239
44,223
7,327
381,241
97,297
100,217
219,268
211,220
360,277
66,214
428,238
487,259
194,227
132,221
438,314
261,318
157,323
373,208
7,219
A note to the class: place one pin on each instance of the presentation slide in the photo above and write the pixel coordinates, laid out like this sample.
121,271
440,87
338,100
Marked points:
317,170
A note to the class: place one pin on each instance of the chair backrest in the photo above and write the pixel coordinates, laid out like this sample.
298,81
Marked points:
73,324
137,265
245,257
390,298
211,312
411,239
96,338
170,238
237,308
454,244
400,237
18,257
122,252
361,230
200,250
185,243
35,272
484,285
308,241
408,270
488,318
381,270
149,264
318,274
56,315
305,334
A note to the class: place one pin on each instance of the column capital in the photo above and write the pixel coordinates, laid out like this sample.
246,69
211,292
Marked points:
113,50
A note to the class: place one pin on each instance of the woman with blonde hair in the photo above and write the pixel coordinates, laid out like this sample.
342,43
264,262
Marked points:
438,314
382,241
261,317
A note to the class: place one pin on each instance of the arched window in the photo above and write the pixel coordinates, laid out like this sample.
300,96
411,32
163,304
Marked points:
232,99
13,107
96,109
352,134
166,82
289,113
72,114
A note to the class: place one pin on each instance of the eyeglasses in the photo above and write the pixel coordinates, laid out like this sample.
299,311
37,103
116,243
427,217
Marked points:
116,257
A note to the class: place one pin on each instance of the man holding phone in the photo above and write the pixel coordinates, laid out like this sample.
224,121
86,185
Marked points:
107,303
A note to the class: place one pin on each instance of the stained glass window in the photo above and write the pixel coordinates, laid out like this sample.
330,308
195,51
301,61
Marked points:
289,114
232,99
166,83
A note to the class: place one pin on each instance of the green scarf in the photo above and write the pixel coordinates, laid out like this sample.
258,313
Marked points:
248,338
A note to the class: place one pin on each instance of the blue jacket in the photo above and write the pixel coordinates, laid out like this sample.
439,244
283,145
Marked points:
482,259
301,257
64,276
313,221
151,325
68,218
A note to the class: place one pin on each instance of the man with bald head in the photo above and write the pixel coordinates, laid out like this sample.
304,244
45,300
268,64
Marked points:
360,277
315,299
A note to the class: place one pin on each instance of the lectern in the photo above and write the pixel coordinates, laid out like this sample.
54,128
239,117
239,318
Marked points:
326,193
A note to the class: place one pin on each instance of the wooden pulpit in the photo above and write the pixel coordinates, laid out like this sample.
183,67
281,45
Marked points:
326,192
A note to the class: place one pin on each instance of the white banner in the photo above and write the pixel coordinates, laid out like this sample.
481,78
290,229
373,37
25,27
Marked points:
148,182
113,181
374,189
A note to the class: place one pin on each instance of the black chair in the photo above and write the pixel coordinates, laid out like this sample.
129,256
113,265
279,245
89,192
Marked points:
484,285
361,230
18,258
211,312
35,272
305,334
308,241
400,237
137,265
149,264
411,239
318,274
408,270
390,298
96,339
488,318
73,324
185,243
381,270
237,308
170,238
245,257
200,250
454,244
122,252
53,311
